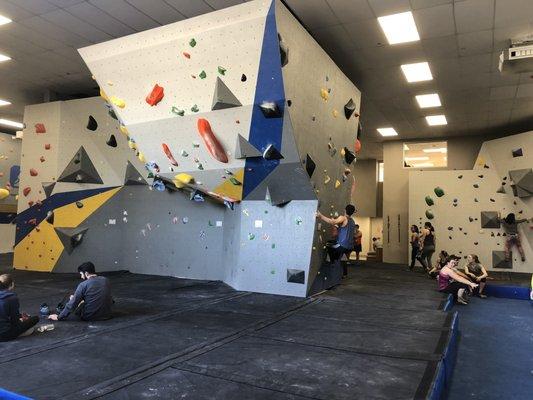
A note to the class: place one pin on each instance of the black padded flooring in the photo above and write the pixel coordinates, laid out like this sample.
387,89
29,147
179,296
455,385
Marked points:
378,335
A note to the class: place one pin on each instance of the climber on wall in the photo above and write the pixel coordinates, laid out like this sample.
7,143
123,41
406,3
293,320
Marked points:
510,225
345,237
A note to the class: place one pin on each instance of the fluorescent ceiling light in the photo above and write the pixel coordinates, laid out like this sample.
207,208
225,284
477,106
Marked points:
3,57
4,103
8,122
399,28
423,165
428,100
387,132
436,120
436,150
4,20
416,158
417,72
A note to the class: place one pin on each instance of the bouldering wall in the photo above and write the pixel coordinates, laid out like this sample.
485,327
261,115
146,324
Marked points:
9,186
226,110
463,204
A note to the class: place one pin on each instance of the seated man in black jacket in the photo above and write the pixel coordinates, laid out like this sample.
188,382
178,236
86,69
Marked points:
92,300
12,324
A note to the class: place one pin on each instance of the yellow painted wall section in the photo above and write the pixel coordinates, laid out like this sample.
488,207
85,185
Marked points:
70,216
39,250
228,189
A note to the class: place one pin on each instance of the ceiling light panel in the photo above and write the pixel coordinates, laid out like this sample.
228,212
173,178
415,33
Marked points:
3,57
436,120
428,100
387,132
13,124
4,103
399,28
417,72
4,20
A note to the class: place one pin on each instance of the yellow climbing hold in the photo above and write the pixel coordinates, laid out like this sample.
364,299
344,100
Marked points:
326,180
4,193
118,102
324,94
182,180
343,152
123,129
337,184
335,113
132,145
103,95
141,157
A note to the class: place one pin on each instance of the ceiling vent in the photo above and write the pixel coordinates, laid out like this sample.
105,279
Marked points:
517,59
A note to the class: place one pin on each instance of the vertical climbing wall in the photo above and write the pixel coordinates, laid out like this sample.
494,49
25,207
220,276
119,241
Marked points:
9,186
464,204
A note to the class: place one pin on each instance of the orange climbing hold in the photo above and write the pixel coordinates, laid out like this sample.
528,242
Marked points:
39,128
47,146
169,155
211,142
156,95
26,191
33,172
357,146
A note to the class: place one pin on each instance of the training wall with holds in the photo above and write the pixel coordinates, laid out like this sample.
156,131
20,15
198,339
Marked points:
463,204
9,186
248,124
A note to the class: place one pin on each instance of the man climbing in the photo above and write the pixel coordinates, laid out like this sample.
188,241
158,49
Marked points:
345,237
358,236
92,299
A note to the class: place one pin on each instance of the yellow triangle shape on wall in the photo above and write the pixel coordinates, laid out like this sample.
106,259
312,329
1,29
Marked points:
229,189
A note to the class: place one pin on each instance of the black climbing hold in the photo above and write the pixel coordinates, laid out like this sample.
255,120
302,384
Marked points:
50,217
460,177
450,228
476,200
243,78
112,141
359,130
270,109
480,176
486,166
295,276
349,108
518,152
271,153
309,166
111,113
92,125
284,51
492,200
470,219
475,185
349,156
79,204
289,103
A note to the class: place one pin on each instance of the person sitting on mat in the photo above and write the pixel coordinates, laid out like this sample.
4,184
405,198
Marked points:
441,262
357,238
476,273
510,226
92,299
449,281
12,324
345,233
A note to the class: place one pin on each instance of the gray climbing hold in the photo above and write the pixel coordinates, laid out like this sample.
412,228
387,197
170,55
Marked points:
244,149
489,219
48,188
133,176
499,260
296,276
223,97
80,170
71,237
523,181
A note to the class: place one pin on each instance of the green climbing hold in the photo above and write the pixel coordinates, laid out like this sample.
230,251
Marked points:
221,70
251,236
150,175
202,75
299,221
195,108
429,201
192,42
234,180
273,245
439,191
210,223
429,214
177,111
273,272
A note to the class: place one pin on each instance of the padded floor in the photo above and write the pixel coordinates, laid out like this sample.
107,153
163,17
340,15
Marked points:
378,335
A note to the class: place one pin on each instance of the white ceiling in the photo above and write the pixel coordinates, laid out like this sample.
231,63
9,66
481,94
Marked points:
460,39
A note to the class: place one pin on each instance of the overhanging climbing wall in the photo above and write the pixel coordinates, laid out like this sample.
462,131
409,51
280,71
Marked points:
227,106
462,205
9,185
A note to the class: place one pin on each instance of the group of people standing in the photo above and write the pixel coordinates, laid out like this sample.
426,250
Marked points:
472,277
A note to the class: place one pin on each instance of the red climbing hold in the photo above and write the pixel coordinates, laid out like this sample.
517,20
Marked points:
30,203
156,95
168,153
42,159
357,146
186,55
26,191
47,146
211,142
33,172
39,128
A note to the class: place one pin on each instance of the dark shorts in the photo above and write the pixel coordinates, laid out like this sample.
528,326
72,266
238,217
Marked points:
357,248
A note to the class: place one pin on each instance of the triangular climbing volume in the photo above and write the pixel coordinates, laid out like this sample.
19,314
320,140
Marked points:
80,169
133,177
48,188
244,149
223,97
71,237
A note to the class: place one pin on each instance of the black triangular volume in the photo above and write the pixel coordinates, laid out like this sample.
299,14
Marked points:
310,166
111,112
48,188
112,141
244,149
359,130
348,156
71,237
518,152
92,125
295,275
271,153
270,109
349,109
80,170
133,176
223,97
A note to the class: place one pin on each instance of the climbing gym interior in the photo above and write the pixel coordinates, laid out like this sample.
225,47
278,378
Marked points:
195,163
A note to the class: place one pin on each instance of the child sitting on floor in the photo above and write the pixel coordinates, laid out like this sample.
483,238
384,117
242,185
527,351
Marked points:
12,324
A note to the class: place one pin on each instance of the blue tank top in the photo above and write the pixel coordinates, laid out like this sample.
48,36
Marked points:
345,238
